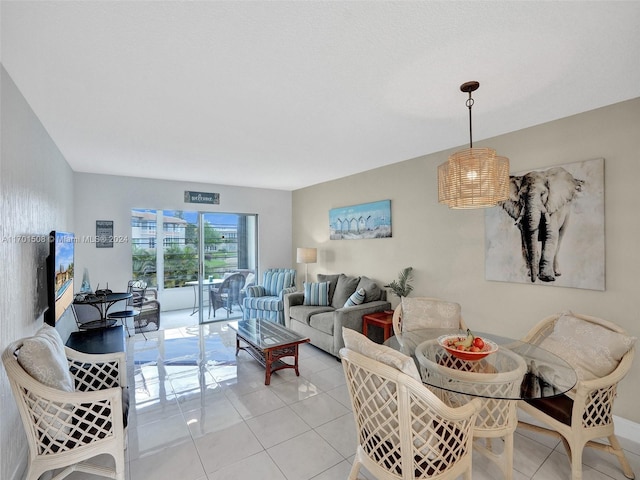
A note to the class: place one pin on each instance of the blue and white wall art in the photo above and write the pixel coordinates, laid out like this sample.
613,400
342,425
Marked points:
367,220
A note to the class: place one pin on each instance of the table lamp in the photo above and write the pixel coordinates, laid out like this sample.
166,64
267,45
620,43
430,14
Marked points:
307,255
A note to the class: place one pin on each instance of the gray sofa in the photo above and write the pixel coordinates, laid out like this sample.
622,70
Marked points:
323,323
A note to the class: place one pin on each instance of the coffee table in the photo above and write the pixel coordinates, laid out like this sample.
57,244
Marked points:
268,343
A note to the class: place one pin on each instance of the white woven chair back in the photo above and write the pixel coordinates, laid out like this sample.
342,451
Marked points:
404,430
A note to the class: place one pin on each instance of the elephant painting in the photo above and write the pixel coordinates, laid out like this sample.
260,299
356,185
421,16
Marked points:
540,203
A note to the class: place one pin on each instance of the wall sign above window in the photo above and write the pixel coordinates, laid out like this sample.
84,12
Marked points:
201,197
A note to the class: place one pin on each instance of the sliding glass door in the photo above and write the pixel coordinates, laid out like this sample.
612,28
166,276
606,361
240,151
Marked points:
191,250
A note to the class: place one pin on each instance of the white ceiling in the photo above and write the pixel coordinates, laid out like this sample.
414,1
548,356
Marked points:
287,94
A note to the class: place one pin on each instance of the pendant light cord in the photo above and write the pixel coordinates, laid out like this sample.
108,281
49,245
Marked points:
469,104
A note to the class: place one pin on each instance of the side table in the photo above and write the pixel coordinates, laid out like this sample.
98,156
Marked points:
383,320
98,340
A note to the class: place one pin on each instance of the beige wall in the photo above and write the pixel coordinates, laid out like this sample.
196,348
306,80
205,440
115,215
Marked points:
446,247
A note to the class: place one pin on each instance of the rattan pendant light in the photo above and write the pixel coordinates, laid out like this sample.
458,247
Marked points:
474,177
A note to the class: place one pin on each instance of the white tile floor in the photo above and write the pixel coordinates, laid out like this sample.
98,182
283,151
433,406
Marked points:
200,413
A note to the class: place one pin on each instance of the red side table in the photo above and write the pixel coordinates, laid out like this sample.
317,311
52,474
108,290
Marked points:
383,320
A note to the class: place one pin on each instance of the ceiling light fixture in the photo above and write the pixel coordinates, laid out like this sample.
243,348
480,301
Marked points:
474,177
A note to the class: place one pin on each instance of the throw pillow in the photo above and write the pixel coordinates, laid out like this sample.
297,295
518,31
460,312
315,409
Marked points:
381,353
371,289
43,357
333,281
592,350
316,294
429,313
344,289
356,298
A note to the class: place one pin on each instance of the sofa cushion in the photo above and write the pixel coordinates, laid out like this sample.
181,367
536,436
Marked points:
323,321
359,343
593,350
333,281
344,289
371,289
356,298
302,313
316,294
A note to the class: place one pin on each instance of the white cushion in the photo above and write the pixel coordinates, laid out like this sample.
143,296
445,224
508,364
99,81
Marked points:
42,356
429,313
359,343
592,350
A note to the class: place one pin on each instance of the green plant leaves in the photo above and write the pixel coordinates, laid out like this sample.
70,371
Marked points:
402,287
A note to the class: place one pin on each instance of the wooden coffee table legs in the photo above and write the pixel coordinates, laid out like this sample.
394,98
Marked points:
271,358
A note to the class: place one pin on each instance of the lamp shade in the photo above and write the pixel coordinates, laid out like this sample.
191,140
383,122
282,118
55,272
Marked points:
307,255
473,178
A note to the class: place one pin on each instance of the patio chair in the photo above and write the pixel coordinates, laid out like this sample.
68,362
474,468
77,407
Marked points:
266,301
72,405
227,294
137,289
601,353
146,300
404,431
142,306
88,317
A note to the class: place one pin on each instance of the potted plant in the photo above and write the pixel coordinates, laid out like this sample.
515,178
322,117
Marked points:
401,287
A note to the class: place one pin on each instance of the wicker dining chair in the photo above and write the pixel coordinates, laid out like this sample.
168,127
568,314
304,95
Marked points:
586,412
72,405
498,417
426,312
404,431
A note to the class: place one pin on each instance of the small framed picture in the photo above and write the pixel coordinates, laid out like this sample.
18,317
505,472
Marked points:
104,233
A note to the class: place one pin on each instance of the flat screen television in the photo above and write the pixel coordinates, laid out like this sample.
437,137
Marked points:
59,274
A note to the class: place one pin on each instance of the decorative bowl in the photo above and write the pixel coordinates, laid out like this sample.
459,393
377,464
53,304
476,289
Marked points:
446,340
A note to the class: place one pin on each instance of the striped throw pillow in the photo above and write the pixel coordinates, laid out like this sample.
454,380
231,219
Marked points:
316,294
356,298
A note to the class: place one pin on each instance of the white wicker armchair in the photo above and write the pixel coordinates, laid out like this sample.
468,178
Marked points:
426,312
404,431
65,428
585,413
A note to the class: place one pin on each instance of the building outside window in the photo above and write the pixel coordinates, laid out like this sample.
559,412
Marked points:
170,253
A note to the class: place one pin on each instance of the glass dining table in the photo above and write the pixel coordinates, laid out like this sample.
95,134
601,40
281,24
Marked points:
515,371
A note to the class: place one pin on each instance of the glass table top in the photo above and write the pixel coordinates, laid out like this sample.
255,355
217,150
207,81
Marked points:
265,334
517,370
